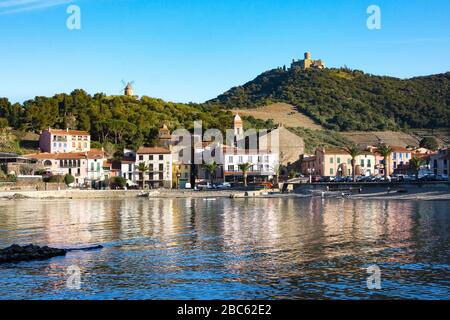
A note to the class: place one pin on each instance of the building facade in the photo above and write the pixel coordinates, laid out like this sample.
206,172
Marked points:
85,167
337,162
439,163
159,162
64,141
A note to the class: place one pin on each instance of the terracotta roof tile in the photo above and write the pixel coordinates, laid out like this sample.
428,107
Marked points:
153,150
68,132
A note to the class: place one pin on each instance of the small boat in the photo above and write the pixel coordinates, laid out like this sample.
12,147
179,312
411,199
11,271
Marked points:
147,194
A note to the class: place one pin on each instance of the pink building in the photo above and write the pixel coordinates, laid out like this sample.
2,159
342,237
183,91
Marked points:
83,166
64,141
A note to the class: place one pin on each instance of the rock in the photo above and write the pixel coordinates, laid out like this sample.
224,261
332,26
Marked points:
16,253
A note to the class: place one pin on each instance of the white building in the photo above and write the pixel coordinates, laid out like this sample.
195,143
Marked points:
264,164
159,162
439,163
64,141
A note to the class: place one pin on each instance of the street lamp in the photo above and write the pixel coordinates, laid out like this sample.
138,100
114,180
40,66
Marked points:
311,172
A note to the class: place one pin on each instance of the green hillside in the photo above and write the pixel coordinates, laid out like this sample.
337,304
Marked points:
348,100
119,120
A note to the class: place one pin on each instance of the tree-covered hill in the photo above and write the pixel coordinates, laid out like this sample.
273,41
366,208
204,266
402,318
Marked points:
347,100
120,120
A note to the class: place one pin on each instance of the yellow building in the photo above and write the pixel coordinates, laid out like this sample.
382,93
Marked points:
181,175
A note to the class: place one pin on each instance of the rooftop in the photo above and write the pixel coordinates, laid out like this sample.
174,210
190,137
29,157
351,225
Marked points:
68,132
153,150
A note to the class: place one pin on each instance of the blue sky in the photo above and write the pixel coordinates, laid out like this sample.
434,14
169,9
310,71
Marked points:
194,50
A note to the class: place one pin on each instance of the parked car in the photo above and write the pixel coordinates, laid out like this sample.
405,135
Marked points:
327,179
316,178
204,186
224,185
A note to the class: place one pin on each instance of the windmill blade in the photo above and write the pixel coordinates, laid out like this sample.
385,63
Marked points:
123,82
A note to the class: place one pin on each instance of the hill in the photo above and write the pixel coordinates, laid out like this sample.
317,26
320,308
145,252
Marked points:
283,113
118,120
349,100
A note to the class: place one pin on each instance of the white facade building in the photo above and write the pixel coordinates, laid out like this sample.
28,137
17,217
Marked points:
159,162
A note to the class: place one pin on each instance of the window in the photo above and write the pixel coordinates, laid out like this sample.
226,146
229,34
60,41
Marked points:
259,159
250,159
266,159
267,167
241,159
400,155
161,176
161,157
130,167
230,168
161,167
407,155
92,166
331,171
362,163
369,163
338,160
230,159
150,158
395,155
331,160
349,161
98,166
141,157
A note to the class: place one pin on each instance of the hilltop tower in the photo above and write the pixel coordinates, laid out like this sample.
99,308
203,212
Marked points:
128,91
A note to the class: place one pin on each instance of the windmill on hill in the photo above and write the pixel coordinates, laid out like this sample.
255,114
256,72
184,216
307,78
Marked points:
128,88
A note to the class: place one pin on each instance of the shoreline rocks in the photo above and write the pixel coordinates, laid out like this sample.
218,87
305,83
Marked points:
16,253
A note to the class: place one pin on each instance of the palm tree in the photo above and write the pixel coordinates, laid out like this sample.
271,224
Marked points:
143,168
354,151
211,168
277,169
245,167
385,150
416,163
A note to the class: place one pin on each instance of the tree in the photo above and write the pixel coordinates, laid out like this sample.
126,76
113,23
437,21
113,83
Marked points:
69,179
385,151
143,168
415,164
96,145
117,183
353,150
245,167
211,168
429,143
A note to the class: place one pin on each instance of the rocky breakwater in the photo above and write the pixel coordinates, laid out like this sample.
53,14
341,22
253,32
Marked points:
16,253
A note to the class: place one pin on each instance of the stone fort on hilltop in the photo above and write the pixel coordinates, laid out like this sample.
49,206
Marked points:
308,63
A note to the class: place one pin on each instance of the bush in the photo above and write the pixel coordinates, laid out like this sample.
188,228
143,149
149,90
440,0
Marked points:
69,179
117,183
96,145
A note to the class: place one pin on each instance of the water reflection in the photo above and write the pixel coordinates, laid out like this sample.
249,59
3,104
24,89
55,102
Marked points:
254,248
